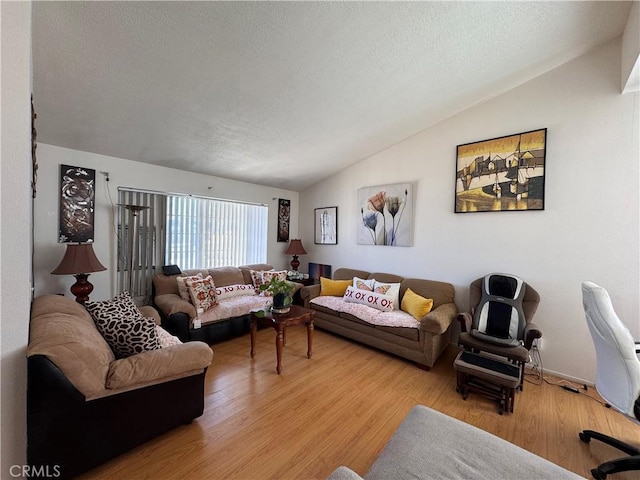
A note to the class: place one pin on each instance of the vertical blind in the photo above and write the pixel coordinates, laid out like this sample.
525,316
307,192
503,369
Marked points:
140,241
203,233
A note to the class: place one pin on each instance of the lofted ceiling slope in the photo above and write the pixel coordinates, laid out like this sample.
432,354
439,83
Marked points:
285,94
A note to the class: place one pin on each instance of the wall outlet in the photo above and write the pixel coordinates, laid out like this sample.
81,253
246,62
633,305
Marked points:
197,323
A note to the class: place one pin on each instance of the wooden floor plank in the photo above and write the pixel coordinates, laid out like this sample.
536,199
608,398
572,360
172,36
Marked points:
340,408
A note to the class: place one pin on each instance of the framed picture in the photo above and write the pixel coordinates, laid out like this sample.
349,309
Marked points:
317,270
326,226
77,192
386,214
284,213
501,174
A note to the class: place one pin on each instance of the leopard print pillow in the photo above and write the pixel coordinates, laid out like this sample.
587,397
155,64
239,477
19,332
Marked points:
123,327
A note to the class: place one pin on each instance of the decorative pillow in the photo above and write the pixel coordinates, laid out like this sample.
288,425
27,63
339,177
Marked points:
120,306
256,278
182,285
129,335
416,305
363,284
334,288
381,302
165,339
267,275
229,291
203,293
391,289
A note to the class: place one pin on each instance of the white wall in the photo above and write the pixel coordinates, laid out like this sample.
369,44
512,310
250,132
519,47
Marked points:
15,202
588,230
125,173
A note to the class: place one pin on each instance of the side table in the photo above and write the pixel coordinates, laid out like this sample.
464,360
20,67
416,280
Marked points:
280,321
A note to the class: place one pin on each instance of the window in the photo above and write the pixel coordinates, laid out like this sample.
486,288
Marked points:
203,232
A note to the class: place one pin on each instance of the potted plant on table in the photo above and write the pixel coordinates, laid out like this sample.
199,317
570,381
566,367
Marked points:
281,291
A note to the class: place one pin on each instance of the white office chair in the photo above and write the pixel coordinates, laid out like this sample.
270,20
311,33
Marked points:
617,373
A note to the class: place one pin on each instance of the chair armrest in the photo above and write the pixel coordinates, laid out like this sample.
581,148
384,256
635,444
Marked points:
308,293
149,312
154,365
466,320
439,319
531,332
170,303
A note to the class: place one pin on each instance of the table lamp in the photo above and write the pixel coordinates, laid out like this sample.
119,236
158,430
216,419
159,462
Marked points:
295,248
79,260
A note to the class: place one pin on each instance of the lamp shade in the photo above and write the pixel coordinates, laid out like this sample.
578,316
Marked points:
295,248
79,258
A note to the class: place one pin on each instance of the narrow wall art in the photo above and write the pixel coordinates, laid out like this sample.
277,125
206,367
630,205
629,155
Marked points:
77,195
284,213
386,215
501,174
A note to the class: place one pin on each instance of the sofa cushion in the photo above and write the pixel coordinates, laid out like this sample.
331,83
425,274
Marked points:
334,288
416,305
233,307
363,313
223,276
202,293
63,331
183,288
381,302
163,364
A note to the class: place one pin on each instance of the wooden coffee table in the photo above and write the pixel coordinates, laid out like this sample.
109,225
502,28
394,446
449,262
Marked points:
280,321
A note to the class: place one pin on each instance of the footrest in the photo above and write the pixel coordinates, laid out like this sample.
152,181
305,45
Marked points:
491,377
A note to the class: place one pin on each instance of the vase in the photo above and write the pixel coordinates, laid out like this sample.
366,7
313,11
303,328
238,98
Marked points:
281,303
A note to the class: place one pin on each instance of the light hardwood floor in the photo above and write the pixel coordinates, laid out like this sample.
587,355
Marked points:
340,408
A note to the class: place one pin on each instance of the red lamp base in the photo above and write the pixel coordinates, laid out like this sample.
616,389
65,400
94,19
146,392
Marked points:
82,288
295,263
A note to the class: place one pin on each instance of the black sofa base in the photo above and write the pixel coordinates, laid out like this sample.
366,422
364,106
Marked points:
67,435
216,332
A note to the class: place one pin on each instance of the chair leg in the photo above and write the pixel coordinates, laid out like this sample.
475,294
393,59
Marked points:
624,464
587,435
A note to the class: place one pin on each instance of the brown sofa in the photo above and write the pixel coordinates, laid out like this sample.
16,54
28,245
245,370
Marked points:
84,407
422,344
178,314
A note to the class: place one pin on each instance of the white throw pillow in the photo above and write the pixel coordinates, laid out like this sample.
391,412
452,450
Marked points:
363,284
229,291
391,289
183,289
381,302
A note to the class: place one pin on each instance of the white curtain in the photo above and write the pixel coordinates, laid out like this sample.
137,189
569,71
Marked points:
205,233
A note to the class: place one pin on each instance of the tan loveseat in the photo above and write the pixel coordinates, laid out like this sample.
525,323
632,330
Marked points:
422,342
228,319
84,406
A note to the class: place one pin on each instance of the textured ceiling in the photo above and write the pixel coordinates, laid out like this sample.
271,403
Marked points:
286,93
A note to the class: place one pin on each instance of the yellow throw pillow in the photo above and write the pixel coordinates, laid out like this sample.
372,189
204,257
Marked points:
334,288
416,305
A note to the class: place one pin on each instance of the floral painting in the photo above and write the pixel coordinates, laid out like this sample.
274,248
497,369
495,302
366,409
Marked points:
386,214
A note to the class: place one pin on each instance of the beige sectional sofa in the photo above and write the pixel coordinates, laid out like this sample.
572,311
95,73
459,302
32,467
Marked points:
228,319
84,406
421,341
